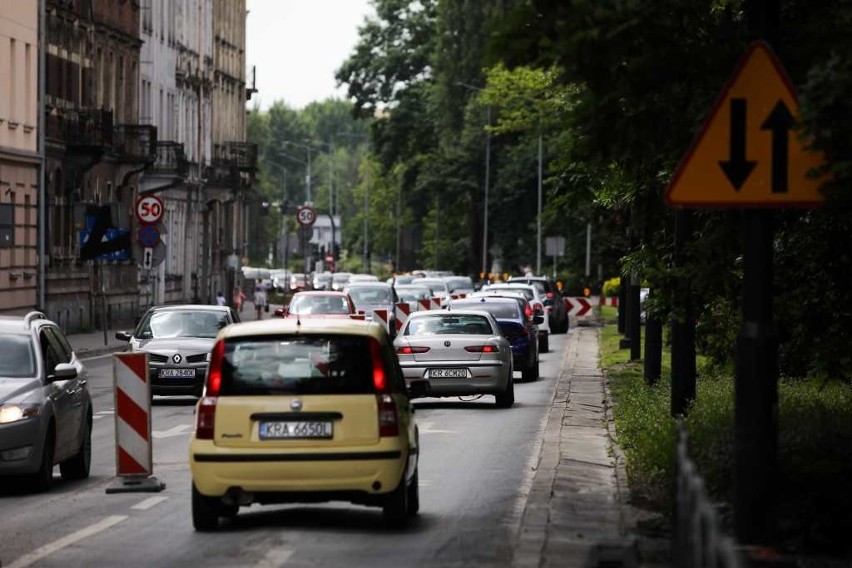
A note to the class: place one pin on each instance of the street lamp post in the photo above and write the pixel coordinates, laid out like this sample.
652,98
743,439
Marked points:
538,211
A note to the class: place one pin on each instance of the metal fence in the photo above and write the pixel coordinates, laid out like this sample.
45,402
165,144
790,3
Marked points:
698,538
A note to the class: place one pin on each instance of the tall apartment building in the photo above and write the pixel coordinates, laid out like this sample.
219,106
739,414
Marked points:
95,150
175,90
19,158
234,161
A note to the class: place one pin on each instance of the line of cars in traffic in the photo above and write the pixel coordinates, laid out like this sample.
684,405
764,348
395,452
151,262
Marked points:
311,406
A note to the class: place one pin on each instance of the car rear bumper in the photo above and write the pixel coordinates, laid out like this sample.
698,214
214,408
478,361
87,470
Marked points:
484,378
375,470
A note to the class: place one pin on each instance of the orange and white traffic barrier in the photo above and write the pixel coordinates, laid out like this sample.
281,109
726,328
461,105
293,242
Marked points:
382,316
134,464
401,312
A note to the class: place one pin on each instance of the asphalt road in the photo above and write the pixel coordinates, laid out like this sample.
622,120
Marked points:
475,470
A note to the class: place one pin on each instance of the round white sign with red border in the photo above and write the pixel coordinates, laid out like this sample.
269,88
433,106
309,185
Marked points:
306,216
149,209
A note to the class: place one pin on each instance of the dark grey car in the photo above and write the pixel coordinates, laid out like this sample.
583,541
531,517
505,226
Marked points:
178,340
45,405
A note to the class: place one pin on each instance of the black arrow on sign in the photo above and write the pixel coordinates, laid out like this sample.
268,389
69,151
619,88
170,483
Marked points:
737,168
148,258
780,122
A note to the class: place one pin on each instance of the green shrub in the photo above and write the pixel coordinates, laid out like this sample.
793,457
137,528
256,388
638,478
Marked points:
814,445
611,287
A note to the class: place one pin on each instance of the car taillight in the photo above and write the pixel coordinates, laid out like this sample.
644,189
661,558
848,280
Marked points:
528,311
214,372
379,377
482,348
205,418
388,425
407,350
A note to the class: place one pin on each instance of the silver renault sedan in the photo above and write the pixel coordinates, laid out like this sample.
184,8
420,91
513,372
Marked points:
178,340
462,352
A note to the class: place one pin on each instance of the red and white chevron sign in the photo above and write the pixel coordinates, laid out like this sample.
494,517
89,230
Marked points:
424,304
132,415
578,307
435,303
382,316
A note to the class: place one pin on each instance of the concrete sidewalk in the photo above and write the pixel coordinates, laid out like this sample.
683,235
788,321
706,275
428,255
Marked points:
575,513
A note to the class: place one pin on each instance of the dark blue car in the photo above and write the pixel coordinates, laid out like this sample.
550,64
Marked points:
520,330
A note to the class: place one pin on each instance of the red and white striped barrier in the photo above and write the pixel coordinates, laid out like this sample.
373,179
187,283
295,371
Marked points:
401,312
134,463
382,316
609,301
424,304
435,303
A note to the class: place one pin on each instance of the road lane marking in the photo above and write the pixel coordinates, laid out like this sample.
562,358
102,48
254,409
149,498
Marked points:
275,558
48,549
426,428
102,413
148,503
172,432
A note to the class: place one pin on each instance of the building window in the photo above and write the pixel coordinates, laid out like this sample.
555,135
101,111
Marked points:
7,224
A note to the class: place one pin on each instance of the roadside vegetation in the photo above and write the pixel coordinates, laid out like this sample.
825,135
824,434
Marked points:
815,445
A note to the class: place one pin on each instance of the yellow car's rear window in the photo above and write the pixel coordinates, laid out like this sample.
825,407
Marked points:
298,364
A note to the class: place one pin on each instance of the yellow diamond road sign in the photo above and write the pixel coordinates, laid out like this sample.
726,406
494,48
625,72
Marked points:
748,153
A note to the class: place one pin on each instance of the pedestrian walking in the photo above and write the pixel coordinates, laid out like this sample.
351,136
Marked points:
259,301
220,299
239,297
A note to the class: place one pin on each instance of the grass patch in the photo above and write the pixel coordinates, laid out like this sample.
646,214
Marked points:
814,445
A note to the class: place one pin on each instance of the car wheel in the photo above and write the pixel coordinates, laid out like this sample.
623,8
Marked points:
78,465
506,398
531,372
544,343
43,478
414,495
205,511
395,505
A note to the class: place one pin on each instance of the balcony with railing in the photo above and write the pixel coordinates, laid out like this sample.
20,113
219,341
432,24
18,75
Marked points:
80,128
234,165
170,160
136,142
239,155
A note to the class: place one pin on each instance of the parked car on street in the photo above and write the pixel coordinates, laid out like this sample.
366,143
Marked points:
553,305
318,304
178,339
45,405
305,411
518,329
460,352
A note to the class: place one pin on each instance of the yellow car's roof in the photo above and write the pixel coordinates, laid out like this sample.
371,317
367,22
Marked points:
292,325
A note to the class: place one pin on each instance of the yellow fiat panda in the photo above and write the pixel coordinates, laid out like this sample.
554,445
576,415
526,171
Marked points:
304,411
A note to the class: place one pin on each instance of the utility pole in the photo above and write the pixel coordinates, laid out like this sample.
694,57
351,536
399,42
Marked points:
485,270
538,215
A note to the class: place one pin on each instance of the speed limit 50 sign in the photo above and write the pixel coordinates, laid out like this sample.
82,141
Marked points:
306,216
149,209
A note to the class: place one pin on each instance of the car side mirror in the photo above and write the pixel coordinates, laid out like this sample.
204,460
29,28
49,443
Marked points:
419,388
123,335
63,372
538,320
281,311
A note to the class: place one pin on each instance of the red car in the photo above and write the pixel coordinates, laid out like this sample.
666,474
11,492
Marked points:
318,304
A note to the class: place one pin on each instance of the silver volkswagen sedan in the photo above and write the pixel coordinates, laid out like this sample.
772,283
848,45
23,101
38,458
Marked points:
178,340
460,353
